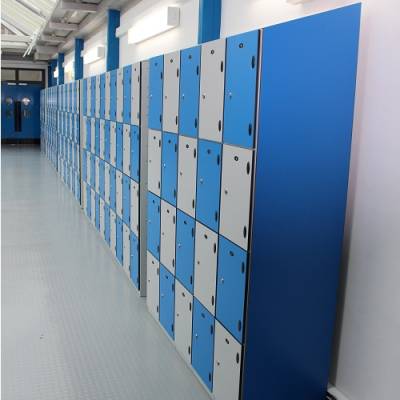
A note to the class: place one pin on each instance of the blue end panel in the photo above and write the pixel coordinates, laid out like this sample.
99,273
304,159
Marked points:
231,286
300,202
167,300
112,187
185,234
102,95
88,134
78,59
92,171
240,89
209,20
119,144
113,95
135,153
135,260
119,240
189,91
203,343
88,201
169,170
107,141
93,97
208,183
113,21
153,224
102,179
107,223
126,199
97,137
127,94
156,92
97,217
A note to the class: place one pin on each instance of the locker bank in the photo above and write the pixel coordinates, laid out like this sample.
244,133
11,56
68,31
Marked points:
188,228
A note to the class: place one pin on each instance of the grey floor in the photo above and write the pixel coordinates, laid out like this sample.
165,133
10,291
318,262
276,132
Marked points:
73,327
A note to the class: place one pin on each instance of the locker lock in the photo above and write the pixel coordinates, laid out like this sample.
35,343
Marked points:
203,95
230,94
222,280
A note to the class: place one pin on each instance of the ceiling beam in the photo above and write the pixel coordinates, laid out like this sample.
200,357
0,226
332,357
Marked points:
51,39
11,27
13,45
60,26
18,25
31,8
41,57
15,38
46,49
69,6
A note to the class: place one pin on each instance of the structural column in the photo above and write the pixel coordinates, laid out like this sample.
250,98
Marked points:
60,62
209,20
51,81
78,66
113,21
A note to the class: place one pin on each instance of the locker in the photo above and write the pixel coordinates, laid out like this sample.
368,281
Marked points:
112,188
187,171
126,248
155,92
185,235
107,183
212,79
126,141
102,139
171,92
101,210
97,178
135,153
134,213
113,95
126,199
84,199
126,109
97,207
101,179
169,158
154,162
203,343
97,137
84,96
93,97
113,143
227,361
240,89
208,183
119,144
119,241
205,266
113,232
107,223
167,300
153,285
102,95
135,260
93,206
167,240
107,141
183,321
236,194
118,194
153,224
89,167
120,94
189,92
93,171
135,94
89,96
88,134
107,95
97,96
84,166
231,286
93,135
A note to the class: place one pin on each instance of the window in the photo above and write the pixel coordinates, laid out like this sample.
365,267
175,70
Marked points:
8,74
30,75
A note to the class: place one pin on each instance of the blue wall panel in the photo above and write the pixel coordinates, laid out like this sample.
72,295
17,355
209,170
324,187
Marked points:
156,92
169,170
153,224
167,300
127,94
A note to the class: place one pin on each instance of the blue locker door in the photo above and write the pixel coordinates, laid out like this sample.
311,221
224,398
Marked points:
88,134
241,89
92,171
93,97
153,224
169,170
84,166
113,95
135,259
231,286
119,240
185,234
107,140
167,300
189,91
102,95
97,137
208,183
84,96
119,143
97,217
126,199
156,92
101,179
112,187
203,343
88,201
135,153
126,109
107,223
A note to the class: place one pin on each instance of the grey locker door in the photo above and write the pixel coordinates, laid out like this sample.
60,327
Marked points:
154,161
183,321
171,92
102,138
120,95
135,94
187,172
212,82
126,162
107,97
102,217
237,167
153,285
97,186
205,266
118,193
93,206
227,360
113,143
93,135
135,207
88,167
167,239
84,199
126,240
97,110
89,95
113,232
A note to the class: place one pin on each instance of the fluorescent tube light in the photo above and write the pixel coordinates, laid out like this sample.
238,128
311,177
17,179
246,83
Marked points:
93,55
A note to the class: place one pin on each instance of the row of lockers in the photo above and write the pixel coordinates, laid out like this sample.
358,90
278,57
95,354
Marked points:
68,97
70,177
69,151
49,97
68,125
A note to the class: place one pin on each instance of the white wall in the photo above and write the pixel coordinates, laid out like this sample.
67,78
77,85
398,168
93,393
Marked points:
367,365
68,77
98,67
